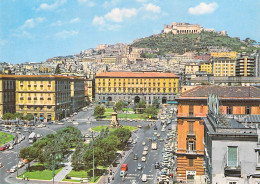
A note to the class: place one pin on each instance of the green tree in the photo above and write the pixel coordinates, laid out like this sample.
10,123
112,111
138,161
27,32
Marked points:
77,160
151,111
29,153
120,105
29,117
156,103
140,107
58,70
18,115
99,111
8,116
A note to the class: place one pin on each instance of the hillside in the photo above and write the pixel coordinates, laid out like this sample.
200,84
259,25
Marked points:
169,43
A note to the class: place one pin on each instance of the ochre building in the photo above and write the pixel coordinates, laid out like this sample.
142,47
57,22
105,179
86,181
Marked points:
192,106
131,87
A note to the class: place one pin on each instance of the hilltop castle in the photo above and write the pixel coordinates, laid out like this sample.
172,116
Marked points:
186,28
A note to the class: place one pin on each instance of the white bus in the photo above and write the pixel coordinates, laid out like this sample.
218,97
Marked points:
32,138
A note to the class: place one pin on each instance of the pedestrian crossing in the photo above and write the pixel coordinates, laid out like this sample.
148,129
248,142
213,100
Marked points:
134,176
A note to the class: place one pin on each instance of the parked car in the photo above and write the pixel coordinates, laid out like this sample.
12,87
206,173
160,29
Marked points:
1,165
139,126
146,148
157,165
11,147
145,153
143,143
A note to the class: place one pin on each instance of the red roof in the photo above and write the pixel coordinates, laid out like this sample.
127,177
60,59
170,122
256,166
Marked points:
136,75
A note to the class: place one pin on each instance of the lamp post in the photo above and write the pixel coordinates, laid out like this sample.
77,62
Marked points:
54,157
93,157
16,137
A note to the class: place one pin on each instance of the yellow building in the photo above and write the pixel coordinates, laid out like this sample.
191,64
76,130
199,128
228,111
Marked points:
206,67
191,68
232,55
224,67
112,59
131,87
7,94
47,97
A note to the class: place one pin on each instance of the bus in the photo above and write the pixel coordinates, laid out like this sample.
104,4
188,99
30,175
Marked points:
32,138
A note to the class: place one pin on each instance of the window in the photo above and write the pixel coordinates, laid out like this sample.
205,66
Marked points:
232,156
258,158
190,110
191,146
229,110
190,162
248,110
232,182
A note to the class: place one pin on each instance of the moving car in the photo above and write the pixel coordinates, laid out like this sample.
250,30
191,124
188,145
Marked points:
139,126
144,177
139,166
143,159
135,157
13,169
145,153
38,135
146,148
156,165
143,143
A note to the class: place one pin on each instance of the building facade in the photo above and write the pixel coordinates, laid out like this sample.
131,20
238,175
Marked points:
232,54
205,67
7,94
131,87
47,97
192,107
231,149
246,65
182,28
224,67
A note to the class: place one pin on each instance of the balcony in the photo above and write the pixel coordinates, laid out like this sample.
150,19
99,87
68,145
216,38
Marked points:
191,151
232,171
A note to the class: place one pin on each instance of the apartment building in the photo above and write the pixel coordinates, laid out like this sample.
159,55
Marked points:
47,97
131,87
224,66
192,107
7,94
246,65
205,67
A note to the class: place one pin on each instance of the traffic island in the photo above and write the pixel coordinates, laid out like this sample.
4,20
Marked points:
5,138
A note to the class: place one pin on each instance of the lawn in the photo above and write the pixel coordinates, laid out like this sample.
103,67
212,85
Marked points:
5,138
100,128
80,174
38,171
109,111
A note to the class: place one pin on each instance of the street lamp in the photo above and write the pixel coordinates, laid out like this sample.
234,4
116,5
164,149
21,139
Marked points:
93,157
54,157
16,136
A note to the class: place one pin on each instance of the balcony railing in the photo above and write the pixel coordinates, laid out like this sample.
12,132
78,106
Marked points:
191,133
232,171
191,151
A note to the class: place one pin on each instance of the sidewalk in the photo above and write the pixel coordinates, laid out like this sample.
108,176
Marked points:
62,174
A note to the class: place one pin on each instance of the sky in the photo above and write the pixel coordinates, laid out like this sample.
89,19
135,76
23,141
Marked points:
35,30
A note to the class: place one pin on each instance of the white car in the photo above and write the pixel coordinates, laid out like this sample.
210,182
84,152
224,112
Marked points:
11,147
144,178
143,143
143,159
60,123
145,153
13,169
38,135
146,148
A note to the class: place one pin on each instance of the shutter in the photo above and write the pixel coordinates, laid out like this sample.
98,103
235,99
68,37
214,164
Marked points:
232,156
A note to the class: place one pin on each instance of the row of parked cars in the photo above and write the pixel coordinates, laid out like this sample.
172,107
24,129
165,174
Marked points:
11,145
167,163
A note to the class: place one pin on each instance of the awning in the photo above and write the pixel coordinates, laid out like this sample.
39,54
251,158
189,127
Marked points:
172,102
103,101
41,118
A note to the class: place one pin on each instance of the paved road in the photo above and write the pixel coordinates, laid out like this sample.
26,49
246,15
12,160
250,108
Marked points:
152,157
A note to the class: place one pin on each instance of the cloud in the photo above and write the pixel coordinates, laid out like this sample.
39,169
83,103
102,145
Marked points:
57,23
75,20
118,15
88,2
22,34
98,20
203,8
153,8
31,23
108,4
66,34
55,5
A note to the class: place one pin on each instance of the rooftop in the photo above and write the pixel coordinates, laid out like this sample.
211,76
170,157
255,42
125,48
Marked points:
136,75
39,76
222,92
